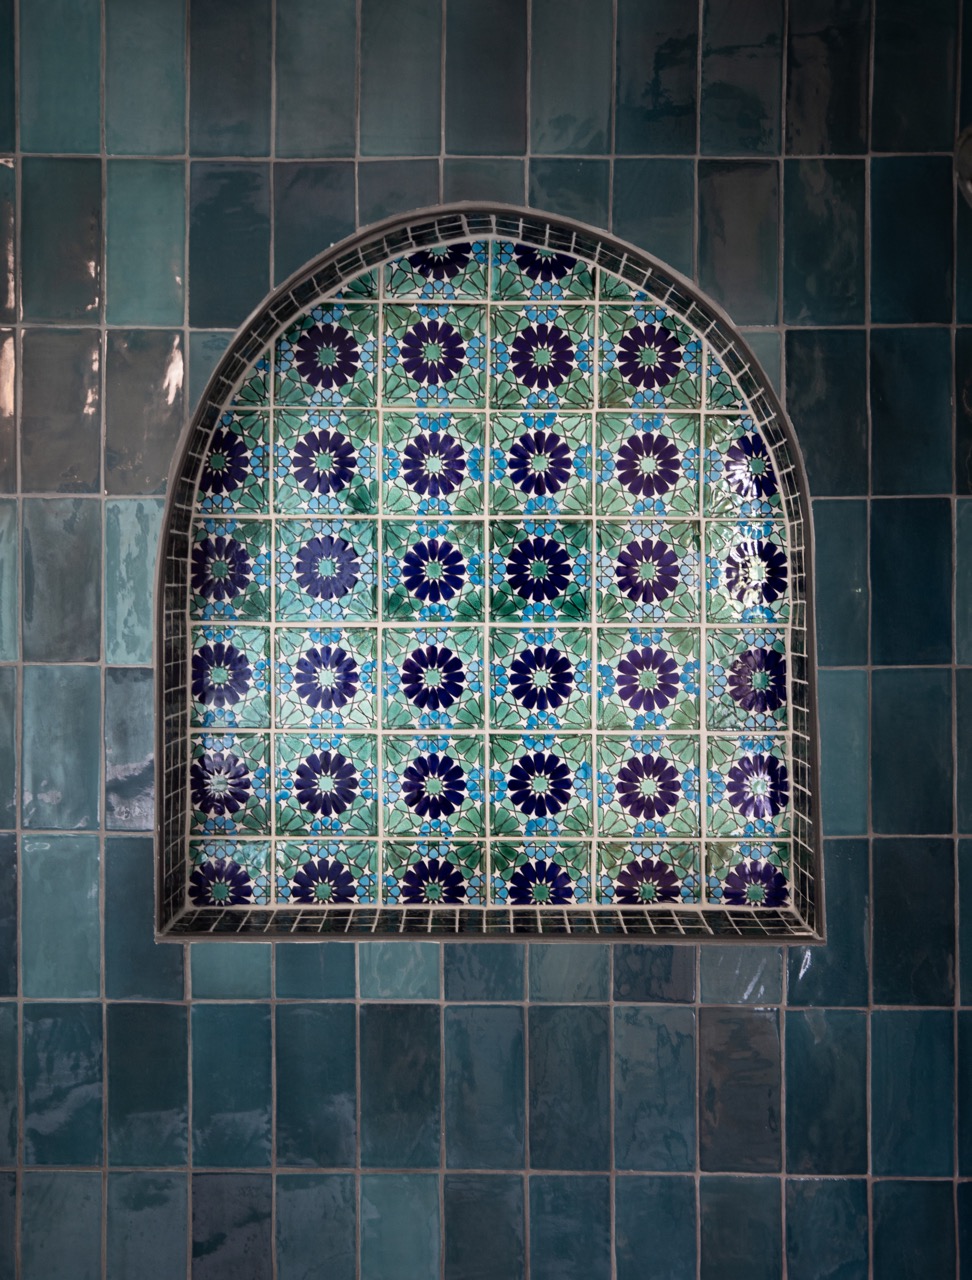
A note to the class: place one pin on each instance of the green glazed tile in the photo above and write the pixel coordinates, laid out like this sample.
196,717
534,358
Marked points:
304,1200
145,262
573,188
145,77
653,207
129,750
61,756
60,424
8,96
9,581
486,56
60,47
742,65
131,535
136,968
63,1077
61,1225
62,579
231,1127
570,77
8,749
230,971
229,241
144,373
313,208
148,1084
147,1225
400,1226
60,953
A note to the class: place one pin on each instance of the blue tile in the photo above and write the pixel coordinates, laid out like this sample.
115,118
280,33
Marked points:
145,268
131,539
963,585
62,580
843,709
230,74
914,1230
230,970
60,788
144,372
399,1226
147,1225
657,70
62,1068
727,1252
739,1054
129,749
231,1226
963,763
741,975
826,1083
148,1084
486,58
911,281
400,79
8,230
742,68
136,967
569,1070
767,346
231,1090
826,1229
912,1070
8,364
60,54
659,1210
472,1201
8,914
643,972
828,46
9,581
570,1228
842,588
837,973
573,188
485,1087
315,1058
61,237
911,773
564,973
963,411
206,349
313,208
964,1199
61,944
60,420
60,1226
9,1102
484,971
654,1088
652,207
965,921
913,103
399,971
911,405
229,242
145,77
387,187
8,1225
320,971
913,960
570,72
315,78
964,1077
824,368
824,242
911,542
8,96
304,1251
8,747
400,1121
739,237
489,179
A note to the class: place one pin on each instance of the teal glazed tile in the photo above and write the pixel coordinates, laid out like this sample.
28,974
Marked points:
8,1223
823,242
387,187
313,208
315,79
60,423
400,1226
826,1229
963,263
485,1087
766,345
827,77
570,77
837,974
738,237
8,97
8,747
739,1051
659,1210
60,1226
145,268
965,922
144,371
963,759
62,579
231,1089
148,1084
911,542
132,530
911,773
8,1085
60,949
827,367
206,348
742,67
129,750
400,1120
60,788
842,595
726,1252
570,1228
652,206
230,78
657,70
315,1058
61,237
324,971
485,72
964,1117
741,975
8,230
963,587
232,1231
481,971
655,974
303,1250
569,1090
487,179
136,967
400,79
562,974
471,1199
963,411
913,104
60,51
654,1088
8,422
8,914
843,709
911,384
147,1225
229,241
913,1226
145,77
9,581
577,189
230,970
911,283
912,1070
826,1069
913,960
399,971
62,1083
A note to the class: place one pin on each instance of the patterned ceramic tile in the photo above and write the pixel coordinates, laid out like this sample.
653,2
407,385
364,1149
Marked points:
434,785
326,783
540,677
747,686
439,872
747,572
648,786
234,477
540,570
648,358
748,787
543,357
327,873
229,783
541,462
521,271
721,392
229,873
433,570
648,463
647,678
325,569
638,872
739,476
231,677
255,387
435,355
441,272
541,874
433,677
433,463
753,874
326,678
330,357
325,461
540,784
648,571
229,570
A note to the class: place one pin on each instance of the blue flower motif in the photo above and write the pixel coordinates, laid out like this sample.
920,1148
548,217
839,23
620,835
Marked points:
220,783
327,679
538,569
433,881
221,568
220,882
541,678
433,786
433,571
323,880
326,783
540,884
540,784
432,677
221,675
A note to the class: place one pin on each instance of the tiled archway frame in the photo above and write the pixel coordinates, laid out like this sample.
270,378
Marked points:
738,856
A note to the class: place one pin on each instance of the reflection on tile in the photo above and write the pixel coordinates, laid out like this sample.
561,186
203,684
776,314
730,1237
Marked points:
303,1202
62,579
656,78
741,975
148,1088
571,59
147,1224
315,1056
60,951
400,1121
564,973
60,423
60,789
61,239
131,537
654,1088
827,77
129,750
61,1226
484,1087
400,1228
739,1055
62,1058
570,1228
231,1225
741,77
143,409
652,973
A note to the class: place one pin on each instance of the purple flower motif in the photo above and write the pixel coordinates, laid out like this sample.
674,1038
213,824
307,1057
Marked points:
326,678
758,786
542,264
226,465
647,464
432,352
433,571
756,572
647,570
435,880
646,880
220,882
538,569
327,356
327,568
540,884
649,356
322,880
539,784
219,783
755,884
748,469
539,462
221,675
647,679
433,464
541,679
433,786
648,787
322,461
757,680
326,783
542,356
432,677
221,568
441,262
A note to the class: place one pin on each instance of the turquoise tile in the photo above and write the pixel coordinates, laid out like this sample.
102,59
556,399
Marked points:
826,1229
843,709
570,77
767,346
315,78
231,1089
488,179
230,970
400,1120
469,1200
965,921
320,971
8,226
827,76
388,187
63,1074
144,372
205,352
842,594
652,207
400,74
837,973
61,771
313,208
136,967
913,960
232,1232
964,1117
824,242
485,1087
911,773
739,1053
963,581
61,237
60,1226
826,1082
651,973
8,914
315,1058
569,1091
60,60
60,422
570,1228
726,1252
8,747
8,1084
914,1230
738,237
129,750
567,972
486,59
148,1084
62,580
482,971
304,1201
399,971
911,404
8,95
963,757
963,410
9,581
824,368
399,1226
912,1069
964,1208
147,1225
742,70
8,422
145,77
657,70
911,541
911,281
913,103
132,529
741,975
145,267
578,189
61,933
8,1223
229,79
229,242
654,1088
661,1210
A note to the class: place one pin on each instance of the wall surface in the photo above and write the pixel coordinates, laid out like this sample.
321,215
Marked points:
491,1112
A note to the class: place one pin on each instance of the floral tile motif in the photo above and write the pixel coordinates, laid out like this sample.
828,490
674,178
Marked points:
748,874
648,786
433,677
747,679
649,358
326,678
648,571
747,572
229,873
543,357
440,272
444,873
326,569
230,670
433,570
234,475
229,570
229,783
433,463
325,461
326,784
327,873
647,678
739,477
435,356
538,873
541,462
639,873
540,784
254,390
522,271
540,678
359,288
540,570
749,787
329,357
647,464
434,785
720,390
